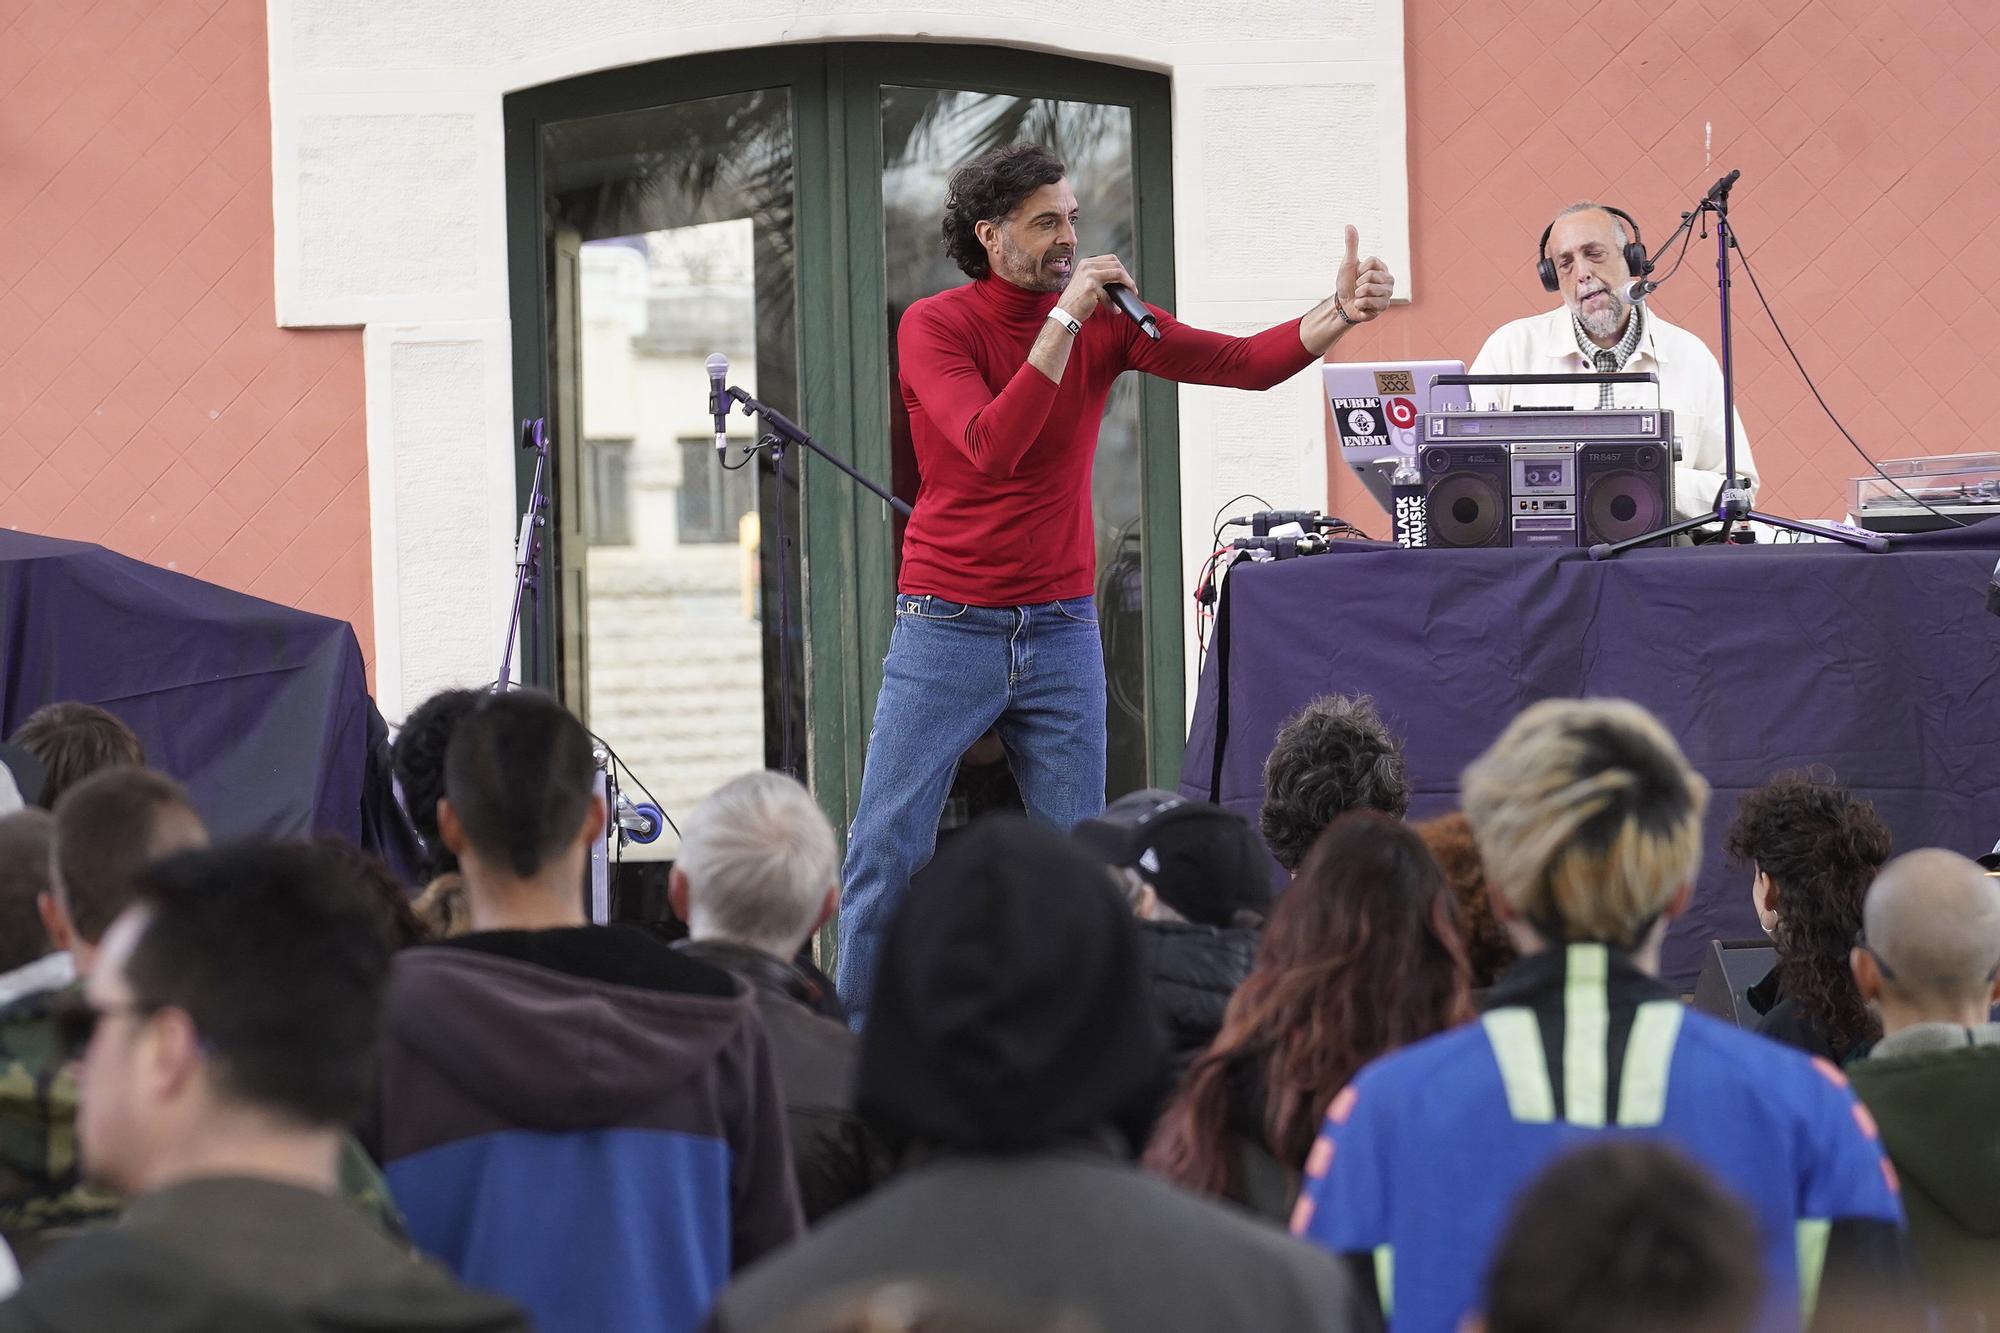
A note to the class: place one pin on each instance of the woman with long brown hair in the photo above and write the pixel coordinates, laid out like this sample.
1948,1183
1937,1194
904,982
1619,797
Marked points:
1360,956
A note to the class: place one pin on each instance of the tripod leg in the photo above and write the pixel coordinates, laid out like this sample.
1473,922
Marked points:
1605,550
1869,541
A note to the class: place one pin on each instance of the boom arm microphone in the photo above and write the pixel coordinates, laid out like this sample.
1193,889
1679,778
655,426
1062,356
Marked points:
718,397
1719,192
1133,308
1638,290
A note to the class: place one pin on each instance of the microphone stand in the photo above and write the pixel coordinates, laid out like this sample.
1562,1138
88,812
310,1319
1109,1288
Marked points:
781,432
1732,505
528,553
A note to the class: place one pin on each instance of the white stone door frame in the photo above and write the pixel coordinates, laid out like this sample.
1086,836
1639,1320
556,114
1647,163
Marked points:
388,198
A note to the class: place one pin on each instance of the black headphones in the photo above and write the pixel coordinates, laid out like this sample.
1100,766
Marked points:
1636,262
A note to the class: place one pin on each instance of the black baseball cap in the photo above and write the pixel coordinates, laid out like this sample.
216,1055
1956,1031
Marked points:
1204,862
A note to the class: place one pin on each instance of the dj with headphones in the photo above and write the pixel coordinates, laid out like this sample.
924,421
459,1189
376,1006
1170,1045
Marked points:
1590,253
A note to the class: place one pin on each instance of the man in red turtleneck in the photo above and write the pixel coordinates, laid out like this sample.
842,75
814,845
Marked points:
1005,380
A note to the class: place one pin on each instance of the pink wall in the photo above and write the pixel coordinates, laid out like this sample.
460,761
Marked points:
148,399
1866,135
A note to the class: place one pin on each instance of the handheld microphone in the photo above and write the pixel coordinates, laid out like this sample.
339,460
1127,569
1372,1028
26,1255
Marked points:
718,397
1132,308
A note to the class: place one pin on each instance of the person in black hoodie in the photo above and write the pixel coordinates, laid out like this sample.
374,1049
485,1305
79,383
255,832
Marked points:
1010,1033
1199,883
758,873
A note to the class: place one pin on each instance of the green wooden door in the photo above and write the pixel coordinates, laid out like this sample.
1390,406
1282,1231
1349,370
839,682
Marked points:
846,139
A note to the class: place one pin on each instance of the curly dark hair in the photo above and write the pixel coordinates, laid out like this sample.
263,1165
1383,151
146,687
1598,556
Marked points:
1821,847
987,189
1361,957
419,764
1335,755
1488,947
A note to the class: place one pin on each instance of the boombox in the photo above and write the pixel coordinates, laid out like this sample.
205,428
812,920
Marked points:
1495,479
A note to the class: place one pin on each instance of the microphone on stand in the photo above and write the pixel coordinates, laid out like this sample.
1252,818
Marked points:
1719,192
1133,308
718,398
1638,290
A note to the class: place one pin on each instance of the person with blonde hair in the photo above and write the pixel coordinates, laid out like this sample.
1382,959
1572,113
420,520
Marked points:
1588,819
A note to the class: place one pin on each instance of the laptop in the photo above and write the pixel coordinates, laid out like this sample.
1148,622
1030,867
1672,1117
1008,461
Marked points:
1375,409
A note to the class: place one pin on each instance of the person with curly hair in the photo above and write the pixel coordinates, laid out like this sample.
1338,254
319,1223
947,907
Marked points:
1488,946
1005,380
419,766
1334,755
441,906
1361,956
1813,850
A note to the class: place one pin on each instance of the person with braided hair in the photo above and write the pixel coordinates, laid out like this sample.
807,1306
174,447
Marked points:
1813,850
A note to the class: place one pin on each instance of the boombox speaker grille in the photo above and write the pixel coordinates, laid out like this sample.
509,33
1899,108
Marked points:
1622,504
1465,510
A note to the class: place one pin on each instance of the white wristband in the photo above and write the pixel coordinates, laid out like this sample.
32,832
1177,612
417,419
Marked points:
1067,320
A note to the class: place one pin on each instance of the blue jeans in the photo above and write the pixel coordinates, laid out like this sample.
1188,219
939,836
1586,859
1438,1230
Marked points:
1036,673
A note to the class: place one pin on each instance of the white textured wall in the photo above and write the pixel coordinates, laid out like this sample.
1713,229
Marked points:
441,491
389,187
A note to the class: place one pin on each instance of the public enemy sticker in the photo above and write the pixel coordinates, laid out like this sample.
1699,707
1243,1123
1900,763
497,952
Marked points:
1359,421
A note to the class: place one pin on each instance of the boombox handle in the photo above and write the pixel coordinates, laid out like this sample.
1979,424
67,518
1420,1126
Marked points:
1581,377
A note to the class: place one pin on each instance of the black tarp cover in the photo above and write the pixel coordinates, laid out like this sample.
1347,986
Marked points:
260,710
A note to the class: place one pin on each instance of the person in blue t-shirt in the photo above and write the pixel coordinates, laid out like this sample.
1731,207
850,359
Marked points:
1589,820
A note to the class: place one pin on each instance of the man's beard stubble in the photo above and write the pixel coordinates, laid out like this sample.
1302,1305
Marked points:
1603,321
1024,270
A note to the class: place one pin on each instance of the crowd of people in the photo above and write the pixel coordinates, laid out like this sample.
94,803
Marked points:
1108,1080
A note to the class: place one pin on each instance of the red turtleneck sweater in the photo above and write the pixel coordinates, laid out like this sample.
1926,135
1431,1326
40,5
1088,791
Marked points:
1004,454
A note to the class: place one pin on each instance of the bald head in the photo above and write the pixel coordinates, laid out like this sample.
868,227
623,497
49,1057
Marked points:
1933,920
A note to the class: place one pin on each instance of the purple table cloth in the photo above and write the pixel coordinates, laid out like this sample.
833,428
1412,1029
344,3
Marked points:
1884,668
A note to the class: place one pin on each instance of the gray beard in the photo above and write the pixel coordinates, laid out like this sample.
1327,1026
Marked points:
1608,323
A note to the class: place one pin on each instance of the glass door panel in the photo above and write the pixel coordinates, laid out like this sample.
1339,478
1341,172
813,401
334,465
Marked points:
928,133
683,219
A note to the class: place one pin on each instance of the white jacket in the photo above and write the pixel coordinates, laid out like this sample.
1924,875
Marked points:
1690,388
